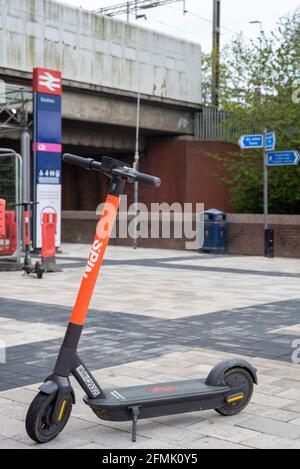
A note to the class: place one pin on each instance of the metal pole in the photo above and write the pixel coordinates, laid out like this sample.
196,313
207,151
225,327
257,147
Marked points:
25,152
137,160
216,52
268,234
266,186
267,242
19,185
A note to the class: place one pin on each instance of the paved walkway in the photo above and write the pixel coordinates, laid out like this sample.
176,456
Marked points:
158,316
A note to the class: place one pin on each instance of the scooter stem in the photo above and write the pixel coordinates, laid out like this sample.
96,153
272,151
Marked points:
95,260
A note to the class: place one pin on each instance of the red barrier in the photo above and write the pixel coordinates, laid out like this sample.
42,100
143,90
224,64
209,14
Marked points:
2,217
48,235
49,223
9,239
10,220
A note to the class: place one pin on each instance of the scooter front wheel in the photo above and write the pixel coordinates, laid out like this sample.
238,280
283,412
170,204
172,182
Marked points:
39,270
238,378
39,424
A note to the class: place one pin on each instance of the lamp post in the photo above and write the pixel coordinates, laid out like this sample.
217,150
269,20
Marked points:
260,48
136,163
216,52
267,232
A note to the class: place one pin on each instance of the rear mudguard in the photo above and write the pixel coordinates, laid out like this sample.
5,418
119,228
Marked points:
216,376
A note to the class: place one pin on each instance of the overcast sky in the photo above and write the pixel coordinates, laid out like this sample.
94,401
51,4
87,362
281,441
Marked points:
197,24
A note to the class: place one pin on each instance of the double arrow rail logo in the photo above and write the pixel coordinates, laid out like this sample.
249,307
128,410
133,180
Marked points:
49,81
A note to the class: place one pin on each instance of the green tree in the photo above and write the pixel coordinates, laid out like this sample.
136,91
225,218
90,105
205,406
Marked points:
258,88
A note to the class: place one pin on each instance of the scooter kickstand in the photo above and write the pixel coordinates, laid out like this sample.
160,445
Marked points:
135,411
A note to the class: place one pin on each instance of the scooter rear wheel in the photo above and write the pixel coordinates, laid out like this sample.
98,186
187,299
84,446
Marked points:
39,425
241,378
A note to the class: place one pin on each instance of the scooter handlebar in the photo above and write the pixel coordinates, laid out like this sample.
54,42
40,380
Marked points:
119,170
23,204
85,163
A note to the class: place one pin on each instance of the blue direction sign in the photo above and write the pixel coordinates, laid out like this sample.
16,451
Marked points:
270,141
251,141
283,158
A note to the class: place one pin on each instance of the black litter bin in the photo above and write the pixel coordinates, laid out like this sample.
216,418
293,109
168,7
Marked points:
215,231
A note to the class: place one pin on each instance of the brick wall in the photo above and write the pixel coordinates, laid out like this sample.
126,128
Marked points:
245,234
189,170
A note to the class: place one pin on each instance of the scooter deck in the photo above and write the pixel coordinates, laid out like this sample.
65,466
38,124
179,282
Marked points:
159,399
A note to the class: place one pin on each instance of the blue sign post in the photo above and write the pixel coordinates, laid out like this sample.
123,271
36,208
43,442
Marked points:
267,141
270,143
251,141
283,158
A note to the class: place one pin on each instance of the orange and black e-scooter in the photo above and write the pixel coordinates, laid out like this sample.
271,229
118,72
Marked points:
29,268
227,389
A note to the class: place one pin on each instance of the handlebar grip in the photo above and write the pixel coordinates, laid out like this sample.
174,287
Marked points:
147,179
85,163
133,175
21,204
